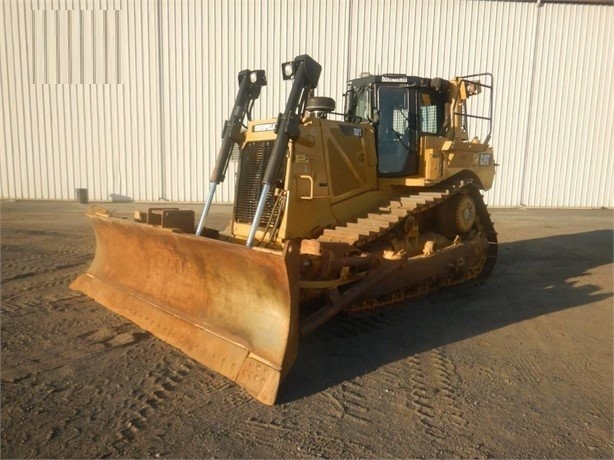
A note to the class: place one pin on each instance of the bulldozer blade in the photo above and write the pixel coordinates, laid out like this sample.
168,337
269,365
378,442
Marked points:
231,308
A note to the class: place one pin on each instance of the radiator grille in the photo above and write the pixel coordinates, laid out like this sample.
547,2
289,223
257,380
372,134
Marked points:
252,166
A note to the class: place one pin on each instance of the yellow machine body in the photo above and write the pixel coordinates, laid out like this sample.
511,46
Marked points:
323,222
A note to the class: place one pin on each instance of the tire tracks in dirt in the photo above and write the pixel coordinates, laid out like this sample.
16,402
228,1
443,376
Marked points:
424,388
150,393
28,276
83,348
34,261
277,428
428,386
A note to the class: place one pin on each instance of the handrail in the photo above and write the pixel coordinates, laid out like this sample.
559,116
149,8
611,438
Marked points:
310,180
489,118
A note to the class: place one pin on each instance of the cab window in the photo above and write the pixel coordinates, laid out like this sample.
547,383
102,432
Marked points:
363,103
431,113
397,131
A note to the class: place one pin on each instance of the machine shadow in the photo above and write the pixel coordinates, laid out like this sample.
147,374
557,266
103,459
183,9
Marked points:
532,278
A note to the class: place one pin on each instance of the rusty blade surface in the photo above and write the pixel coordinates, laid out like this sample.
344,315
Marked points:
231,308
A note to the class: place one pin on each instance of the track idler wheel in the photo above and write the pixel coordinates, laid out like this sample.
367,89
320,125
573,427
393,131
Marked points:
464,212
457,215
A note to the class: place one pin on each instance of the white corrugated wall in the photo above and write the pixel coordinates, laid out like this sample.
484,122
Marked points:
552,66
128,98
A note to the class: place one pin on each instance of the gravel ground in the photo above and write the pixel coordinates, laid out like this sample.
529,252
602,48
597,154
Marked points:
518,367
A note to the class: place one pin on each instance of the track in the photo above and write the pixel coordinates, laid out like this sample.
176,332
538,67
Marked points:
376,225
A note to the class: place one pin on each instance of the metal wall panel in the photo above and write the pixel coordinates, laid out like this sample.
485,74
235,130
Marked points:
551,63
128,98
78,107
569,137
205,45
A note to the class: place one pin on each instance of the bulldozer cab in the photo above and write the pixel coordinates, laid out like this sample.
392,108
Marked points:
402,110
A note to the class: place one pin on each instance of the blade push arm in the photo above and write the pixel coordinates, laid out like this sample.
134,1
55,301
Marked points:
250,83
305,72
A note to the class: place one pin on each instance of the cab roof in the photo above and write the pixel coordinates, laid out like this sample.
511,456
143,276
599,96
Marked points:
389,78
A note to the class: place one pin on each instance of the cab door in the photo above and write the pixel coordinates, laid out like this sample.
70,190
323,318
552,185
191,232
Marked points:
398,131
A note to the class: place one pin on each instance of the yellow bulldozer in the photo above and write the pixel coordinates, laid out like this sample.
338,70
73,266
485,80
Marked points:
333,212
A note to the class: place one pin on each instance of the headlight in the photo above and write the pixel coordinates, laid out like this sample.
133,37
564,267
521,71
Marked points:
470,88
288,70
256,77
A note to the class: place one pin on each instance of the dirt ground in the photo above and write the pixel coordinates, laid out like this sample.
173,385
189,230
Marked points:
518,367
